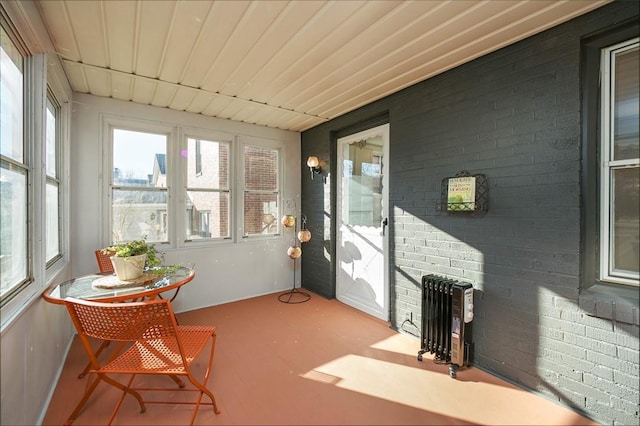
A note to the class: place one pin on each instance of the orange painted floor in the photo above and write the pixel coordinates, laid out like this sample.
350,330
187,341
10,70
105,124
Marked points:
317,363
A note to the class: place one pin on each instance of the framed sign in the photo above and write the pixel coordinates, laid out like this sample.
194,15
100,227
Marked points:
464,193
461,194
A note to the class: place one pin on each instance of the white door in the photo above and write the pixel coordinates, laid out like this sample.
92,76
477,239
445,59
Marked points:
363,210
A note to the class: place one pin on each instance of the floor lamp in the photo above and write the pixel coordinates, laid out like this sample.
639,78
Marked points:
289,221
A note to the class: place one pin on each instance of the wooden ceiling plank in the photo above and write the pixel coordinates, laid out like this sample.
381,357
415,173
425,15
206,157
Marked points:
188,25
121,86
443,58
242,113
99,82
448,53
444,30
58,22
219,25
283,63
301,123
163,95
318,59
218,104
120,18
182,99
200,102
154,23
254,22
87,26
283,29
143,90
76,76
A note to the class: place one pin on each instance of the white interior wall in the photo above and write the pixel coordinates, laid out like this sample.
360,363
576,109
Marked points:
224,272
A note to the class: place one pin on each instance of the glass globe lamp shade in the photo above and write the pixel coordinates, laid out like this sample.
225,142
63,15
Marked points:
288,220
304,235
294,252
313,162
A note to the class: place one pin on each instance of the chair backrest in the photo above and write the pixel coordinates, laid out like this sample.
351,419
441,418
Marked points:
131,321
104,261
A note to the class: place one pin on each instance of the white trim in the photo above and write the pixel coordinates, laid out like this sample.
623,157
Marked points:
35,103
176,176
279,147
108,124
185,133
608,165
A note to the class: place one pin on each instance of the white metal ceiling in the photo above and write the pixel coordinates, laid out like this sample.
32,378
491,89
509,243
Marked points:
284,64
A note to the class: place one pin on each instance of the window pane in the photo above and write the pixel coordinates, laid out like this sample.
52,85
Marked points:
11,98
139,159
626,105
260,168
626,214
13,228
139,213
207,215
52,218
208,212
208,164
260,213
51,136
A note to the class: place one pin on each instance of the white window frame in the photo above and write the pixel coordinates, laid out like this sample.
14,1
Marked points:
41,78
177,178
206,135
268,144
109,124
57,180
23,165
608,165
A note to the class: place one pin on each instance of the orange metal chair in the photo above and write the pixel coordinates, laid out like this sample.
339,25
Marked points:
104,261
160,347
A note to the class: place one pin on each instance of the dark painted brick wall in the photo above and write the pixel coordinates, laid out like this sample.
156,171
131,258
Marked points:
513,115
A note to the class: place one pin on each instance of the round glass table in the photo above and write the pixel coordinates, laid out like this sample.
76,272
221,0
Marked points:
106,287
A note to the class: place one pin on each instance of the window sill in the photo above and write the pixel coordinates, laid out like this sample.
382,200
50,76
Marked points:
611,302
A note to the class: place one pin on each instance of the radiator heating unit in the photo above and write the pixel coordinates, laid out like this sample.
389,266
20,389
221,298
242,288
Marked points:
447,319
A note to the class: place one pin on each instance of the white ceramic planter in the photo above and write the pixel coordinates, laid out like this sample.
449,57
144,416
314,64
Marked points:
129,268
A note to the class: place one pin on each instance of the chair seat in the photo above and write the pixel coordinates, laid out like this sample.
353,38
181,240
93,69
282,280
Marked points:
162,355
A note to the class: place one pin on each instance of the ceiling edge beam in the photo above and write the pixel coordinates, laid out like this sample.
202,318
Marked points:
195,89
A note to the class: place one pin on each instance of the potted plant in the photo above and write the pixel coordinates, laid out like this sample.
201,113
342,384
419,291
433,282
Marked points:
129,259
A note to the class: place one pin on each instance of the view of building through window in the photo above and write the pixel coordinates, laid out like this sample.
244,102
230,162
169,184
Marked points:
208,191
261,190
139,186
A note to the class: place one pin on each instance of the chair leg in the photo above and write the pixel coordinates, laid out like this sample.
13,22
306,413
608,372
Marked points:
102,347
177,380
83,401
126,390
203,390
203,386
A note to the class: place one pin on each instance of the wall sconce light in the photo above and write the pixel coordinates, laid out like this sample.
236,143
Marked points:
314,166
